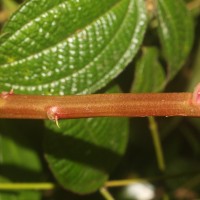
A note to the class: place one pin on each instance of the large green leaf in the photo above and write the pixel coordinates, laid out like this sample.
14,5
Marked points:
18,161
83,152
67,46
149,74
176,33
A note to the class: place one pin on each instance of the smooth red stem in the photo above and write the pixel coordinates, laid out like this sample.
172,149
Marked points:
99,105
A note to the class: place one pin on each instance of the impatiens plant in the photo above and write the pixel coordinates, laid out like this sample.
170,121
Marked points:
62,60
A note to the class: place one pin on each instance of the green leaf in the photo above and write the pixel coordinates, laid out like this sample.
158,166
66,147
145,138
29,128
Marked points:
67,46
18,161
195,75
83,152
176,33
149,74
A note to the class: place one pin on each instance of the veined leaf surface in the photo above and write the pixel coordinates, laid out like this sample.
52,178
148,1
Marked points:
67,46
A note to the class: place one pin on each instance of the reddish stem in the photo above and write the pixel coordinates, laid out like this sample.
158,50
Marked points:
99,105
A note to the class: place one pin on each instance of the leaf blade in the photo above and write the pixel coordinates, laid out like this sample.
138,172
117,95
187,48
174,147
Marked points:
149,73
71,68
176,32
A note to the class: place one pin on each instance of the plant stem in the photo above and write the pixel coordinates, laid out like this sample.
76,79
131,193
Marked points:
111,183
98,105
106,194
27,186
157,143
125,182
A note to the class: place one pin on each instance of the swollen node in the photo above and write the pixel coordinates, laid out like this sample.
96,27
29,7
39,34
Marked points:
5,95
196,95
52,114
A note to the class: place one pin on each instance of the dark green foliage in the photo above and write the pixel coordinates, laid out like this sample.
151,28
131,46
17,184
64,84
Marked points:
60,47
176,33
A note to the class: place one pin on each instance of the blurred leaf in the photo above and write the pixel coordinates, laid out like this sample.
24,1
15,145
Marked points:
195,76
176,33
18,162
149,74
83,152
57,47
10,5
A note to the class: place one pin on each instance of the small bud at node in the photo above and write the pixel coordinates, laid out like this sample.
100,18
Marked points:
5,95
52,114
196,95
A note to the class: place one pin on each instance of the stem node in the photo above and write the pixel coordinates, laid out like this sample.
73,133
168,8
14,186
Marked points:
52,114
196,95
5,95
